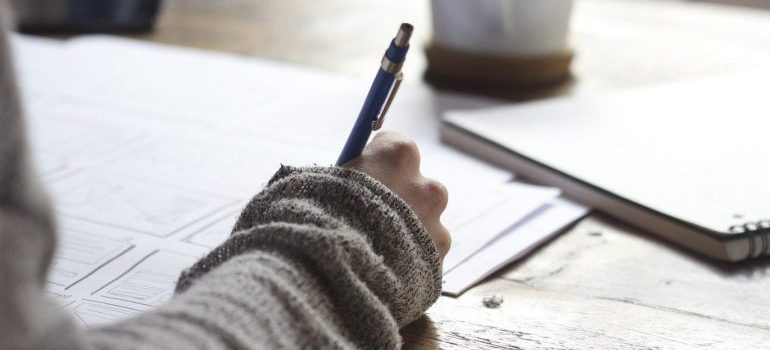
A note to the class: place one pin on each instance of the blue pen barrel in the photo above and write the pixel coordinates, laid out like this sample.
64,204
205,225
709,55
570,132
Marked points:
396,54
362,129
378,94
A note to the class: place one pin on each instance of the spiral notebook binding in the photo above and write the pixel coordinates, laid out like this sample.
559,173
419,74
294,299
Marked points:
751,230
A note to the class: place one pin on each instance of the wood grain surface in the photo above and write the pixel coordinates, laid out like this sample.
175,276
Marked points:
602,284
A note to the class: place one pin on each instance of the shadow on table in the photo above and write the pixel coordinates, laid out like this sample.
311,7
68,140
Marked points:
420,334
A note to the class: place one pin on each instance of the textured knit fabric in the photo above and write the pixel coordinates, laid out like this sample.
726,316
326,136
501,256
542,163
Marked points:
321,258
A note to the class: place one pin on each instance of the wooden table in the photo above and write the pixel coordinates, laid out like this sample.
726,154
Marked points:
602,284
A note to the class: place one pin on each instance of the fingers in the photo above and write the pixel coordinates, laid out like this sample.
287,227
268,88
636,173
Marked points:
394,160
431,198
389,157
441,237
435,195
396,151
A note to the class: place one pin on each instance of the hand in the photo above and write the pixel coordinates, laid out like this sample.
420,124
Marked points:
394,160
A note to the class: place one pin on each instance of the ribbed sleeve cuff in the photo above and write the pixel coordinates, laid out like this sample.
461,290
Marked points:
331,199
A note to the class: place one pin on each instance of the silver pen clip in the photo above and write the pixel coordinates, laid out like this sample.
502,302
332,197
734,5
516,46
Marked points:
377,124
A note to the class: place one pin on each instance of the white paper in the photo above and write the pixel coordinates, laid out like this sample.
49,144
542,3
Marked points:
513,244
492,212
150,152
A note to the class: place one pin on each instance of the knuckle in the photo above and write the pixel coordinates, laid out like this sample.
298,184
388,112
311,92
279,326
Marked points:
404,148
385,135
401,152
437,193
444,242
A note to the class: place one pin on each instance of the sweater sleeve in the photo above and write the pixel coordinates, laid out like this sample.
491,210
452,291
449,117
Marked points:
322,258
28,319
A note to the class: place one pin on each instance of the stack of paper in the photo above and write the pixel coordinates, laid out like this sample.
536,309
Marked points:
150,152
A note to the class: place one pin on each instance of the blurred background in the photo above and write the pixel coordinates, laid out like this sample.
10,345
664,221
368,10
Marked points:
617,43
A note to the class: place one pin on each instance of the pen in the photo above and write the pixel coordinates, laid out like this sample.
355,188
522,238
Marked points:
380,96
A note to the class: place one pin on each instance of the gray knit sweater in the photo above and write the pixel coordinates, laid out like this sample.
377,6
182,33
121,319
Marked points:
321,258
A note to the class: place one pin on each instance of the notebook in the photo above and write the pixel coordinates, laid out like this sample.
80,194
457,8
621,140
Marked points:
689,161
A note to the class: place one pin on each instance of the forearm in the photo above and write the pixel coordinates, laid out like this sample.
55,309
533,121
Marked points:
256,300
322,257
27,319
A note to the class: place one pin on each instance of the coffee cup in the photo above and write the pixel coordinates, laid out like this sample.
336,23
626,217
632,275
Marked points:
500,42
